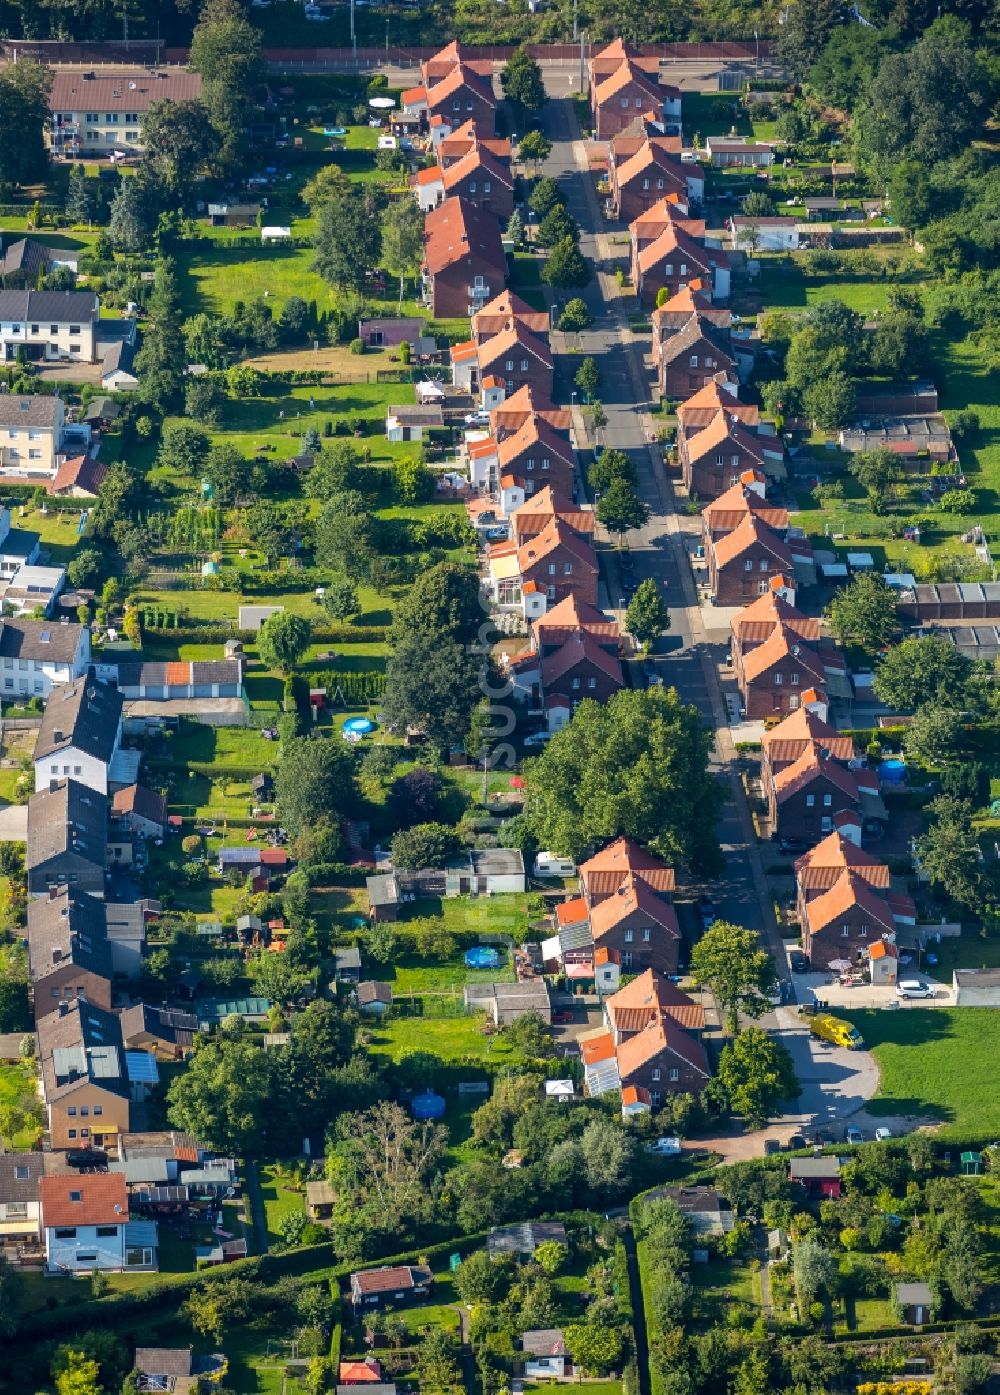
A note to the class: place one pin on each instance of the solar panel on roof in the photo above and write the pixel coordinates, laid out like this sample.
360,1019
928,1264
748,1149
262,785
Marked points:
142,1068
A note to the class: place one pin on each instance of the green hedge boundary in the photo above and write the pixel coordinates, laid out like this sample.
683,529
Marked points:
104,1312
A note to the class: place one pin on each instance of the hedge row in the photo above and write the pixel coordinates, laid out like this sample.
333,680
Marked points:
104,1312
193,633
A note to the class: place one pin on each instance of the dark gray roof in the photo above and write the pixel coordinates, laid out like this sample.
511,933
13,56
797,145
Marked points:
168,1024
383,890
83,1043
497,862
117,354
37,410
348,958
67,928
55,307
84,714
19,1176
695,1201
103,409
40,640
978,978
524,1237
70,818
914,1293
151,675
19,542
696,328
544,1341
25,255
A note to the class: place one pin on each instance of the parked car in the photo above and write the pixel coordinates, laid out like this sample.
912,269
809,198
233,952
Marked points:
797,1140
627,563
777,995
771,1146
497,533
793,845
798,962
538,738
913,988
477,418
882,1134
707,912
665,1147
854,1135
563,1014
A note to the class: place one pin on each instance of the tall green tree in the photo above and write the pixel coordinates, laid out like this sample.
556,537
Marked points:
647,616
24,115
161,360
807,28
920,671
348,240
566,268
403,240
730,961
521,80
949,850
283,640
757,1074
925,103
180,143
876,471
864,612
226,50
222,1095
128,227
636,765
315,780
620,509
80,200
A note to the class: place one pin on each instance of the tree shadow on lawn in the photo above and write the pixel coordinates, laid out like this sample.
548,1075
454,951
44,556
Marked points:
916,1028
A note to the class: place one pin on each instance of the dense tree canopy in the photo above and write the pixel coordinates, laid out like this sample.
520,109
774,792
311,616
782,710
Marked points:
315,780
636,765
922,670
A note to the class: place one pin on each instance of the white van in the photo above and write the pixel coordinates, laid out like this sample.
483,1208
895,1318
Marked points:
549,865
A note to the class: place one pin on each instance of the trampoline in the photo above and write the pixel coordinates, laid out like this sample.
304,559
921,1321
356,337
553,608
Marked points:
481,958
358,726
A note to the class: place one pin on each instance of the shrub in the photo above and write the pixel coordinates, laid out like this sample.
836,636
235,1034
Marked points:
192,844
357,346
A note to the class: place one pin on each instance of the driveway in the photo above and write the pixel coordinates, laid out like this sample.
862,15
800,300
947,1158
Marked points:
835,1082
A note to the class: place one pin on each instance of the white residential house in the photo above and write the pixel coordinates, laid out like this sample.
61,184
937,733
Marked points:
50,326
86,1225
31,589
80,735
764,234
36,655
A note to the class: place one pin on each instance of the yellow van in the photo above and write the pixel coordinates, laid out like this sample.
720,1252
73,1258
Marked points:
834,1030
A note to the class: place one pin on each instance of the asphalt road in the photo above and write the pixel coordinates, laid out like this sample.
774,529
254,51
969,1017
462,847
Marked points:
835,1083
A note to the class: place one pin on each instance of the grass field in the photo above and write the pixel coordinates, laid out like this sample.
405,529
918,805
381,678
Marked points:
279,1200
17,1084
452,1039
939,1062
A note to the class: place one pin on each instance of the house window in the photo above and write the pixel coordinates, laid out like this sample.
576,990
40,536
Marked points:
66,1233
656,1073
734,460
845,930
794,680
98,1110
76,1196
524,365
626,959
748,565
624,102
17,1210
827,801
684,270
863,932
552,569
668,270
675,1073
71,1133
74,329
510,365
567,569
71,1111
646,935
591,682
793,703
693,360
575,683
104,1231
85,1111
88,1258
659,184
138,1256
487,186
763,564
472,186
733,479
810,801
655,1098
645,183
628,937
779,678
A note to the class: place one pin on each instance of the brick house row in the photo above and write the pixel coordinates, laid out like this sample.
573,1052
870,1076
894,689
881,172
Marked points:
532,572
464,264
652,1047
652,172
848,907
513,355
574,655
456,88
622,85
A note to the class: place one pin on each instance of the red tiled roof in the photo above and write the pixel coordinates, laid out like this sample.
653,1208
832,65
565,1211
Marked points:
751,532
633,895
756,621
608,869
800,729
645,998
457,229
848,891
811,766
572,912
97,1198
782,643
662,1037
580,648
598,1049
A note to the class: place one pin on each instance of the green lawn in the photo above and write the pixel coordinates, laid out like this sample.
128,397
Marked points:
279,1199
941,1062
17,1083
452,1039
786,284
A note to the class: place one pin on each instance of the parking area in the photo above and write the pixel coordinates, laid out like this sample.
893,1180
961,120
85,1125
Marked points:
825,988
836,1082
